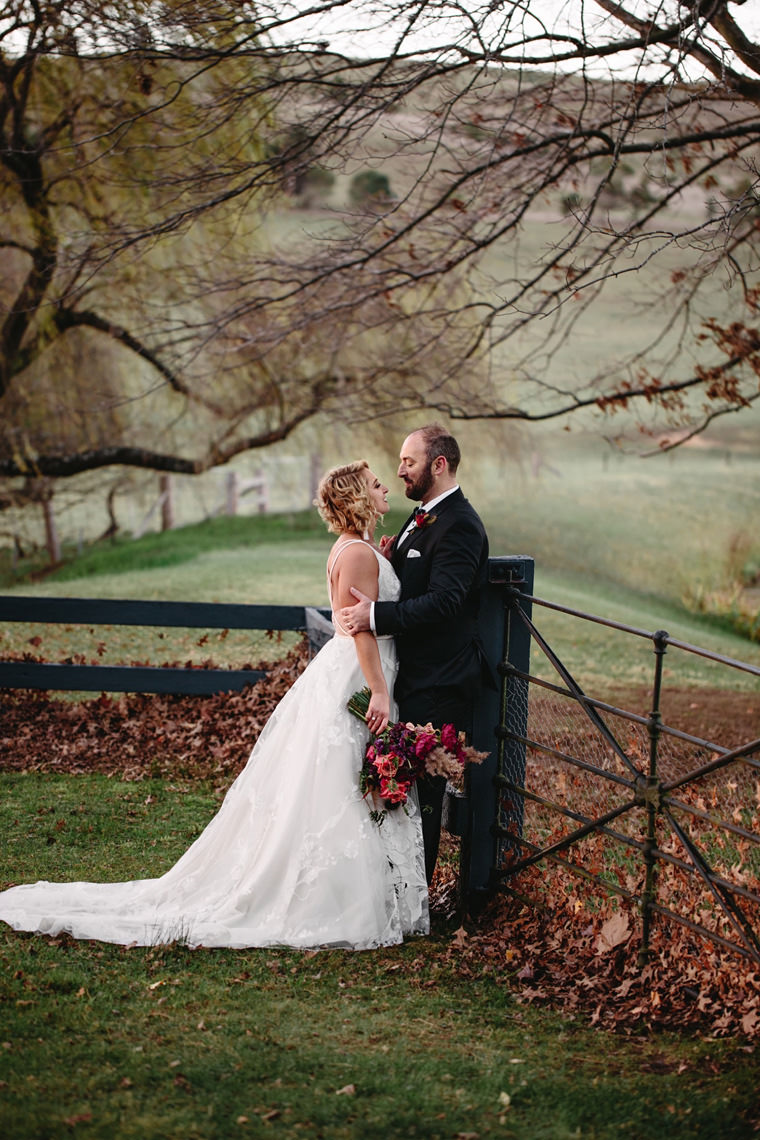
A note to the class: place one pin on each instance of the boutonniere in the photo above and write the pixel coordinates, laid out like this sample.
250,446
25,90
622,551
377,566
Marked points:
422,518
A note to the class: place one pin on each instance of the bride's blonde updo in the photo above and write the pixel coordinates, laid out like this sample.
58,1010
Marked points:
343,498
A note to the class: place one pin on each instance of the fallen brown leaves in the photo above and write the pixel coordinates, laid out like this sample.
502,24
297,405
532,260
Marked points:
587,964
138,735
555,954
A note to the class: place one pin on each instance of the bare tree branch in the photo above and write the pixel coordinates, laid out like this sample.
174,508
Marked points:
166,292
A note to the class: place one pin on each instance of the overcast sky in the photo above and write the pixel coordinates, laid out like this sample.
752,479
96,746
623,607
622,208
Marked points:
379,34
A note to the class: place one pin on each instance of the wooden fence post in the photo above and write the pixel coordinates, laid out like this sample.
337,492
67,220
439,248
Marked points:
263,490
52,541
315,474
231,502
166,492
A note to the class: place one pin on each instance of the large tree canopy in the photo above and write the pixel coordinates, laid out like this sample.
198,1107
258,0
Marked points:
543,159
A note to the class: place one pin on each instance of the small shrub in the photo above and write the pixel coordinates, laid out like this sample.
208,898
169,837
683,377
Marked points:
315,185
571,203
370,186
727,607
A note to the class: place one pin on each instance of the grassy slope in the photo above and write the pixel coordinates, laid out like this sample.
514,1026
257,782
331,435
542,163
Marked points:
663,526
618,538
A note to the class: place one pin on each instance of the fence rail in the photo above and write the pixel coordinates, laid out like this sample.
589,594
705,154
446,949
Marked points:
148,679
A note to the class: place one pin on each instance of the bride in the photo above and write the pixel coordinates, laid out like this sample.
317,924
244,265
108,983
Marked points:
293,857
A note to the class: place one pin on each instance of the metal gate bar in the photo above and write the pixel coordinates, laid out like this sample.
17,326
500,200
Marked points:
645,788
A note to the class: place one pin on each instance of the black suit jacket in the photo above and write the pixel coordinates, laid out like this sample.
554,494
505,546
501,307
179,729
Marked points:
442,569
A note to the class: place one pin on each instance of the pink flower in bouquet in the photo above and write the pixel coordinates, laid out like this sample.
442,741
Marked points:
449,738
441,762
386,766
424,743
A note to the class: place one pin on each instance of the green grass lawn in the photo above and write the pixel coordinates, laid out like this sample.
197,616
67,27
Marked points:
162,1043
266,559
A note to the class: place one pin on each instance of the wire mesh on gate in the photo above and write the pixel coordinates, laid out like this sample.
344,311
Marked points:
623,804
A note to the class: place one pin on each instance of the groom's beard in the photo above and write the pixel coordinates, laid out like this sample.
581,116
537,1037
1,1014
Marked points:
418,490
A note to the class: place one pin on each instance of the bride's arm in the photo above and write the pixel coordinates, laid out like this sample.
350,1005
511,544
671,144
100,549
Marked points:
358,567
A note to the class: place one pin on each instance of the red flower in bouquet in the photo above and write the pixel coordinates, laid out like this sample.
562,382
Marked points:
394,792
395,760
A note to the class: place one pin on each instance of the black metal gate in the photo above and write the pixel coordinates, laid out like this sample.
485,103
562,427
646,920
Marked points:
623,803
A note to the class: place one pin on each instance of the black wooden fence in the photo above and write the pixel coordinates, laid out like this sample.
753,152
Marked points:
147,679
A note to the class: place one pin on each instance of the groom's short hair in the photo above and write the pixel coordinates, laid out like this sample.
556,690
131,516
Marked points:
438,441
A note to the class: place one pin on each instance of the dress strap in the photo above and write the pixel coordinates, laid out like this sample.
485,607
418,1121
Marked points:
330,567
339,548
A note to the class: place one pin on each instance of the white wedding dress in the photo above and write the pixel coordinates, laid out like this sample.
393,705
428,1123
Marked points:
292,858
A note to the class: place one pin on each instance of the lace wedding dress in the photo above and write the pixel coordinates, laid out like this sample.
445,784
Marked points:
292,858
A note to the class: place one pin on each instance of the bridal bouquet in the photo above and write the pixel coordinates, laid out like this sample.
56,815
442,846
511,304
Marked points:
395,759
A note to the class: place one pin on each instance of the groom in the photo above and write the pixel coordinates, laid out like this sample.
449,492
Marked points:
440,556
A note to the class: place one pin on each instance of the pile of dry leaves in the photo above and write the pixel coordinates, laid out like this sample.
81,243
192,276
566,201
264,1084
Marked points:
135,735
555,954
588,964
